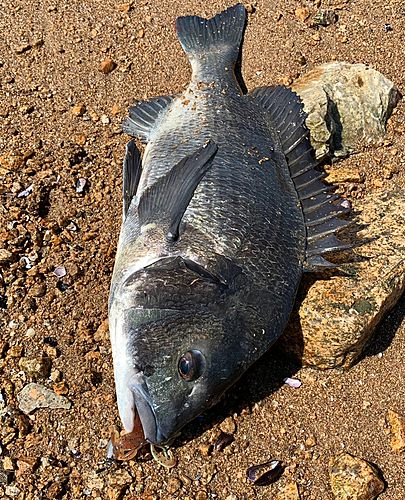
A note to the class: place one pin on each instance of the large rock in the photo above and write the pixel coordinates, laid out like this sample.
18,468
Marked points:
337,312
354,479
346,104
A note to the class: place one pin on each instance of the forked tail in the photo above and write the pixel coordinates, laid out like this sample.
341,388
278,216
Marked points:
220,36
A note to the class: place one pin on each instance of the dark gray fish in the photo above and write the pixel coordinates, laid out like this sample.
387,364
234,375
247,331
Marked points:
221,217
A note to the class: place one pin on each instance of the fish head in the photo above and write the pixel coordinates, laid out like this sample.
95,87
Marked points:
179,352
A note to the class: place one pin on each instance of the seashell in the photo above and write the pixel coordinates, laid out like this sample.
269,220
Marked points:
25,263
60,272
293,382
223,441
26,192
71,226
264,473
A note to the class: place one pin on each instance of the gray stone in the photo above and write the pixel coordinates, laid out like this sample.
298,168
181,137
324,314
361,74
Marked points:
35,396
336,314
346,104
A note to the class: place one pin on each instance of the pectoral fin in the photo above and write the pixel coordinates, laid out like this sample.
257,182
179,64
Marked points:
165,202
132,174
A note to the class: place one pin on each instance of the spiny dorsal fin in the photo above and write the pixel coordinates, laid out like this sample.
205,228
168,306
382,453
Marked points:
132,173
320,207
143,116
165,201
220,34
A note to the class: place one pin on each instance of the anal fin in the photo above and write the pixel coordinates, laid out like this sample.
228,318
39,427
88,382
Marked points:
165,201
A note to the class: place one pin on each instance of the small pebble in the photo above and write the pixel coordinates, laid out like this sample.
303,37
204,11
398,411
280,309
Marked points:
26,465
81,139
5,256
107,66
61,388
8,463
397,423
56,376
302,14
173,485
124,7
289,492
36,367
205,449
228,425
79,109
6,476
286,80
38,290
105,120
71,226
15,351
310,441
325,17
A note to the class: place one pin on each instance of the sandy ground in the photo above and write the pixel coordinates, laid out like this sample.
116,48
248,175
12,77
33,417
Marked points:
49,53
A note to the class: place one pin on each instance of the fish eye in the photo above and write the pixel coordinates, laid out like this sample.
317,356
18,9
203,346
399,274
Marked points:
192,365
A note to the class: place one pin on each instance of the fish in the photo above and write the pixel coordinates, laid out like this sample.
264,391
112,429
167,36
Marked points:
222,215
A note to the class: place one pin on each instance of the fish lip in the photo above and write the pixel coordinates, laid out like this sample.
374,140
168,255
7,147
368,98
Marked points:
143,405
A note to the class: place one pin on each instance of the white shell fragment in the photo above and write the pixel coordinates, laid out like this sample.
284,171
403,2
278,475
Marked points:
26,192
71,226
293,382
60,272
25,262
80,183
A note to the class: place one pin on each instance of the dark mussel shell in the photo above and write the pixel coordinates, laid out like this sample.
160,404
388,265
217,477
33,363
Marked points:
264,473
223,441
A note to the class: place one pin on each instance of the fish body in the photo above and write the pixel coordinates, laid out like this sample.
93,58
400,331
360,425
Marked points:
215,235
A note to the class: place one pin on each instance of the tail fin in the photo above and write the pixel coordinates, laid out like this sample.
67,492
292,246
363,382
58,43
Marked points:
221,34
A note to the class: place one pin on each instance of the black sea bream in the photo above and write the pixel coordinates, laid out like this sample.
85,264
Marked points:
221,217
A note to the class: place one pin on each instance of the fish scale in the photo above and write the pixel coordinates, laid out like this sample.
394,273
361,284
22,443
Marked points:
222,215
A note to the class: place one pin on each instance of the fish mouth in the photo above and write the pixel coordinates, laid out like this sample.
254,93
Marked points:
142,404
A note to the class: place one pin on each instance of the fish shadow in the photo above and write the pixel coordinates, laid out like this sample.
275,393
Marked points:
260,381
386,330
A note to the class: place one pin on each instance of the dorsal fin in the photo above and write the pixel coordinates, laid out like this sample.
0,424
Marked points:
143,116
132,173
165,201
321,209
